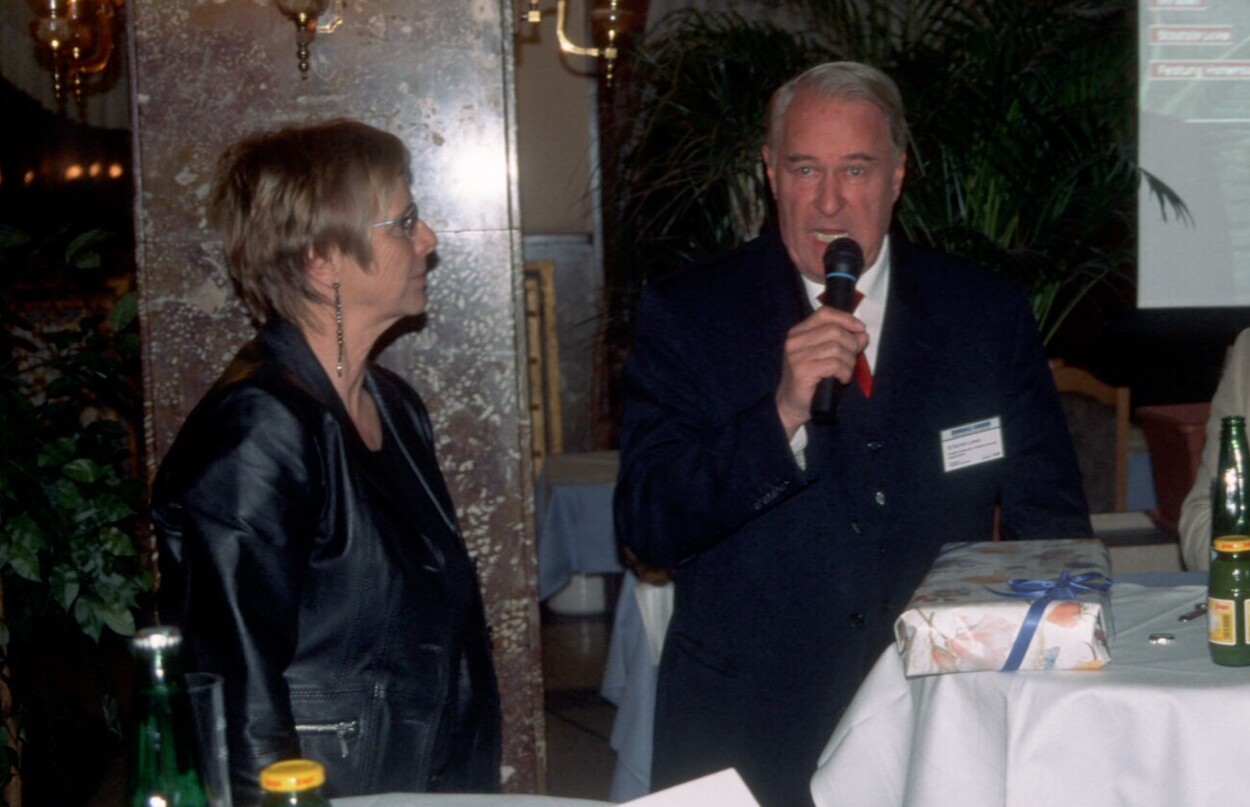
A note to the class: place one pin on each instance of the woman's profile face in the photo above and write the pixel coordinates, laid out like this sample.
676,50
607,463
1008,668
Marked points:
394,286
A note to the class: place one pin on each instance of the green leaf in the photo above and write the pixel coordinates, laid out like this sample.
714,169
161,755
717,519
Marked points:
23,532
69,496
104,508
11,237
57,452
82,252
90,617
83,470
124,312
85,555
117,543
23,539
65,585
25,565
117,618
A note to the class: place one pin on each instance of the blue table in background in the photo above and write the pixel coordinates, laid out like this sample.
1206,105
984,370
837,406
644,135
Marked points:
573,516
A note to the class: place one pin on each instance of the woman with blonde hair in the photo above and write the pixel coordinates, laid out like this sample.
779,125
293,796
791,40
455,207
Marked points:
309,548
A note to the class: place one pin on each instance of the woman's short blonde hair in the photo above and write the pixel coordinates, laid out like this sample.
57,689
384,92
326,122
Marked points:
284,196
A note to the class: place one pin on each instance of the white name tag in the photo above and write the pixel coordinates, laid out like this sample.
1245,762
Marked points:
972,444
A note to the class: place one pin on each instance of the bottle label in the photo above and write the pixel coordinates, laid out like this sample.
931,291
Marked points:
1222,621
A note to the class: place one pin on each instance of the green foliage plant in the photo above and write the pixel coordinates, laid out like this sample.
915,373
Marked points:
70,489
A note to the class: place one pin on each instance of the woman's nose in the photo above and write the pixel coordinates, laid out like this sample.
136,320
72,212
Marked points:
425,237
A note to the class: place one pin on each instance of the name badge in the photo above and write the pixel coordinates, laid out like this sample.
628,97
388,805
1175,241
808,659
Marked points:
972,444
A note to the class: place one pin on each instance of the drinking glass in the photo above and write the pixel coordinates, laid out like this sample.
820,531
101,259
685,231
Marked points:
208,713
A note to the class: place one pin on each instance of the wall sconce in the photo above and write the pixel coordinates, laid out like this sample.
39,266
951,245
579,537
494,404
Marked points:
307,16
75,38
611,23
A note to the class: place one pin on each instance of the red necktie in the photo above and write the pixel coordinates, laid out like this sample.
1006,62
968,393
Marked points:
862,373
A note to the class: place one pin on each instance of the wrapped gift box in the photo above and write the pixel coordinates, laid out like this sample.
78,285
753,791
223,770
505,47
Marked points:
1006,605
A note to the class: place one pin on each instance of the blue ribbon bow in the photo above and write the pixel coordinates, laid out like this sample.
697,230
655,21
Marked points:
1043,593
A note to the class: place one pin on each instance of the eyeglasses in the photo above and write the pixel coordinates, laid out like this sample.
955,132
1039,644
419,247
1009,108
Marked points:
407,223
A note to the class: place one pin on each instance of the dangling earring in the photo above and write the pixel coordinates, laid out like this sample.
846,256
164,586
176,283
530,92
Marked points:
338,325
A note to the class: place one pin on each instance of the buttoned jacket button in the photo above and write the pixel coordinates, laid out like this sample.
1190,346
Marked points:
858,620
879,498
855,528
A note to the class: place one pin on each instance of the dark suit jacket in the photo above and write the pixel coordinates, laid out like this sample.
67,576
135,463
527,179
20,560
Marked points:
788,580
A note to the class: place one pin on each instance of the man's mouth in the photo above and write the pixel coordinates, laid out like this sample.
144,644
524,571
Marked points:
829,238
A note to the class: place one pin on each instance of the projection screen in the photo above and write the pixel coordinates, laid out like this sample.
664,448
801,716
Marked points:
1194,135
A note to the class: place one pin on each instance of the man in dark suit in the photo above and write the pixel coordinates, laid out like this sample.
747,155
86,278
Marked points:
795,545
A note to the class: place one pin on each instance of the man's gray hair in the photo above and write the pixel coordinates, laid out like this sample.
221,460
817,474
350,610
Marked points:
842,80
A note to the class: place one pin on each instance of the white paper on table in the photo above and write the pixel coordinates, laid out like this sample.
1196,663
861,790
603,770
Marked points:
724,789
655,605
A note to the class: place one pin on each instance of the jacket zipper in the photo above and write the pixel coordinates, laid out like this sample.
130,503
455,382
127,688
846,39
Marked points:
344,730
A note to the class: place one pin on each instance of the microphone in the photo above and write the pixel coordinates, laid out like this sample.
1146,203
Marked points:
844,260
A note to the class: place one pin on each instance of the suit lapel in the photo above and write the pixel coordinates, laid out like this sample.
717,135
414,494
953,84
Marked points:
910,332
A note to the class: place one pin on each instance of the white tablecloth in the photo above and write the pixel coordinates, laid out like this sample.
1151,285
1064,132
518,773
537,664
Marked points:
462,800
629,680
573,515
1159,725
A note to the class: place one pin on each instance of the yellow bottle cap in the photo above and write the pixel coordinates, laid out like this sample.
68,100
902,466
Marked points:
1237,543
292,775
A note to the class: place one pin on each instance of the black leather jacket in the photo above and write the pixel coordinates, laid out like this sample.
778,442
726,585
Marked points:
339,641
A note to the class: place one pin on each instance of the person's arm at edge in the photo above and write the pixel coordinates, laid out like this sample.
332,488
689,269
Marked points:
1232,397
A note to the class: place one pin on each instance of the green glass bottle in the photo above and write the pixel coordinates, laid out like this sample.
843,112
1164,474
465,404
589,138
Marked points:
164,772
293,783
1228,597
1230,513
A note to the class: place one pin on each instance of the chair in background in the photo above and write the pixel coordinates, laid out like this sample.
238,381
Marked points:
1098,418
1175,435
542,362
